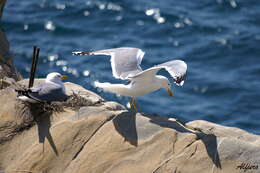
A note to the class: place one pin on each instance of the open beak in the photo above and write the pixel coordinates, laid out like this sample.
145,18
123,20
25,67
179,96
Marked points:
64,77
169,91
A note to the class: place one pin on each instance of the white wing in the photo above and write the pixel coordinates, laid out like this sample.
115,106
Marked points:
125,62
176,68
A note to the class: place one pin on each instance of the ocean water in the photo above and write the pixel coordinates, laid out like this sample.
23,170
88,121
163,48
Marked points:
219,40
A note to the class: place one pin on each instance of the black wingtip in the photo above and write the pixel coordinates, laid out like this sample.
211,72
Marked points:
77,53
21,92
180,80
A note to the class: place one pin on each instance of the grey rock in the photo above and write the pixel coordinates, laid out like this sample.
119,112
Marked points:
7,68
2,5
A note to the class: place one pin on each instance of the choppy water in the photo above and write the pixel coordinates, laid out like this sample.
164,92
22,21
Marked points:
219,40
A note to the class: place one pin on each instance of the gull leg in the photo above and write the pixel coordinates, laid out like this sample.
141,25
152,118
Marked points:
131,104
135,107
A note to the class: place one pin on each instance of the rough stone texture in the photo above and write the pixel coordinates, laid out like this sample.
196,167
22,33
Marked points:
7,69
2,4
104,137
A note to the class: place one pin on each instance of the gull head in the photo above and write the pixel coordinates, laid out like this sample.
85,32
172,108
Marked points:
165,83
55,77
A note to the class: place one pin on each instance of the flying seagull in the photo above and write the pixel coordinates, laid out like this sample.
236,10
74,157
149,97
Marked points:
125,64
51,90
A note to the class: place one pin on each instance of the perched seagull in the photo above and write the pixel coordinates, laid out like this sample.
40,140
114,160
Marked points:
125,64
51,90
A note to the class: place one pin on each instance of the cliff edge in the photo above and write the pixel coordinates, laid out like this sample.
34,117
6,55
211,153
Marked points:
93,135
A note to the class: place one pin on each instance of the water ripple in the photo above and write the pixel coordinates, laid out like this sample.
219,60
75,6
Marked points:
50,26
218,39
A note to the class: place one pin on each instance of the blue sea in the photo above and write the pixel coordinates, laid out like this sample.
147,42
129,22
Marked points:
219,40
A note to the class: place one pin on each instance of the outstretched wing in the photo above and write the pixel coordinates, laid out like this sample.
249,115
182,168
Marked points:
125,62
176,68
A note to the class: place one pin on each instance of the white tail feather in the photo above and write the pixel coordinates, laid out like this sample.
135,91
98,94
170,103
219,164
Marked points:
27,99
114,88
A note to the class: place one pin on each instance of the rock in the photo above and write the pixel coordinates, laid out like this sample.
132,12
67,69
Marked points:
219,149
5,82
105,137
2,4
7,69
222,131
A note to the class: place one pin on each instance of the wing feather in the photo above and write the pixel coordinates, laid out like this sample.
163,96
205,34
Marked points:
176,68
125,61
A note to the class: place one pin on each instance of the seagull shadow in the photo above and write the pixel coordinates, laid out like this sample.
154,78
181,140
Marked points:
209,140
125,124
43,121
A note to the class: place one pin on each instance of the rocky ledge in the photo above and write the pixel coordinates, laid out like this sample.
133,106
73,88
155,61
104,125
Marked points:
95,136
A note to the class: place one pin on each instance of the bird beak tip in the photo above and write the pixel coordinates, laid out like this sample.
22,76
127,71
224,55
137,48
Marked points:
169,92
64,77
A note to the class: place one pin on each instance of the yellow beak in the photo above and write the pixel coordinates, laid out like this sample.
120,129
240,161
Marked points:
64,77
169,91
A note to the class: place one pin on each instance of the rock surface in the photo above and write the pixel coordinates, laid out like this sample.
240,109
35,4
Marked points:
7,69
2,4
104,137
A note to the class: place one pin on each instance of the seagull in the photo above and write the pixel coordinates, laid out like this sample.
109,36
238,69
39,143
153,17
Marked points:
125,64
52,89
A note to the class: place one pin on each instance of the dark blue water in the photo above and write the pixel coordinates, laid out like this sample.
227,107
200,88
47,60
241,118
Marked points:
219,40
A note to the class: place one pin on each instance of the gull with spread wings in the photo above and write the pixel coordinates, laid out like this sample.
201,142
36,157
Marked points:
125,64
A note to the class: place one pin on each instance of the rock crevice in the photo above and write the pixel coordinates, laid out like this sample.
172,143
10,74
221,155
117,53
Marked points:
104,137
